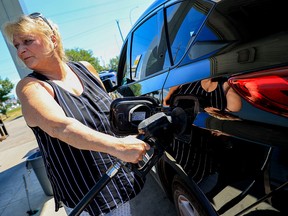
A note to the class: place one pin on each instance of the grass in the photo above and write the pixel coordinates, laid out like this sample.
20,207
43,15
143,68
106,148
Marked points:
12,114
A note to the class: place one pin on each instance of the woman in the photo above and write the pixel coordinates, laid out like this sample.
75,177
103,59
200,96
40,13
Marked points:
67,107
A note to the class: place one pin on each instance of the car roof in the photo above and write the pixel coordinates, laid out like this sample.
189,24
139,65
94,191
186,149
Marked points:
158,3
152,7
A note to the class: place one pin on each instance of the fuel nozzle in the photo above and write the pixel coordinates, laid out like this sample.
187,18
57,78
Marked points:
155,126
158,131
152,130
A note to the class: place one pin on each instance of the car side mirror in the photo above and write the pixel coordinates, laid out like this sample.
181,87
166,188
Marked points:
109,85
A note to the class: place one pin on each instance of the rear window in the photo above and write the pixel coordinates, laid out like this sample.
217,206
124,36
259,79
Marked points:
239,22
184,21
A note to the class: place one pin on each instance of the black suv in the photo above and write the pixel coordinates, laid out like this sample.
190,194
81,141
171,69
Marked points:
222,65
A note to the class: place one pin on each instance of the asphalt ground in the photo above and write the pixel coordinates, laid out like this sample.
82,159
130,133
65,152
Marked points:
21,193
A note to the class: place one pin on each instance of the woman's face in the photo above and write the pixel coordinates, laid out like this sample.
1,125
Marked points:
32,50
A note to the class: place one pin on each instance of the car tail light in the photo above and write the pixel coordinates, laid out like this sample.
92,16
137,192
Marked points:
267,90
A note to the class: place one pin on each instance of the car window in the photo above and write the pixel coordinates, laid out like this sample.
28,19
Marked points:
184,21
149,48
206,43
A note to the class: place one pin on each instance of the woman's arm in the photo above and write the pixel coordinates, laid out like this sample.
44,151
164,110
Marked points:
234,103
40,109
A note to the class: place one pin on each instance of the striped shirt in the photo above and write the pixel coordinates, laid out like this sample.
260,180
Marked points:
71,171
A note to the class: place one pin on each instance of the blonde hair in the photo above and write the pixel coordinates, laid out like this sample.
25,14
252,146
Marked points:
26,24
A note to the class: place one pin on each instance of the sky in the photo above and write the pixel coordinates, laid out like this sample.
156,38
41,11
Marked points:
86,24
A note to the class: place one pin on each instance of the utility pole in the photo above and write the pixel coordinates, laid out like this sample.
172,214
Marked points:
117,21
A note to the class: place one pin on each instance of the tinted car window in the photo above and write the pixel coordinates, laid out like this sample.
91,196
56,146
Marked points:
149,48
184,21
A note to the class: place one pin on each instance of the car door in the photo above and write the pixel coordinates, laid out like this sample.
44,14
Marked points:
144,61
157,45
185,21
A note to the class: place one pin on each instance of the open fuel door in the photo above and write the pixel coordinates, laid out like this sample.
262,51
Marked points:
126,113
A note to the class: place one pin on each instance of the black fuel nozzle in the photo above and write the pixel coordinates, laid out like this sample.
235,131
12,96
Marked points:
155,126
154,131
158,131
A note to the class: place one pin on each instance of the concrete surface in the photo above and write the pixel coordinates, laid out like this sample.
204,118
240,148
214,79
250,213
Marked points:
15,200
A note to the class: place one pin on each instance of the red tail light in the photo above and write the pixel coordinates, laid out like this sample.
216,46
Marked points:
267,90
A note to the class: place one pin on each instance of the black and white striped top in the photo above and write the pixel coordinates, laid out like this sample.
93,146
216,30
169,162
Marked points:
72,171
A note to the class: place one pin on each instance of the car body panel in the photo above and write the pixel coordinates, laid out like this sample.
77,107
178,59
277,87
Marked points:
143,87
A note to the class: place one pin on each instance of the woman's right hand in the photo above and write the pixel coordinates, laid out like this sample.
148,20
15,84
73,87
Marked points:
131,149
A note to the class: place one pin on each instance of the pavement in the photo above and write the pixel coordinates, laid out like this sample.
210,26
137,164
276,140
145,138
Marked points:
21,193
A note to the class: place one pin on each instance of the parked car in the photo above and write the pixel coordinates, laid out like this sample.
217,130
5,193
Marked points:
111,75
225,64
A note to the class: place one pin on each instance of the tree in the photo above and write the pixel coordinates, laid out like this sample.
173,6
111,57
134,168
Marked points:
6,87
78,54
113,63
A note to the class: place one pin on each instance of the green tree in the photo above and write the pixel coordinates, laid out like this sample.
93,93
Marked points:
113,63
6,87
78,54
4,109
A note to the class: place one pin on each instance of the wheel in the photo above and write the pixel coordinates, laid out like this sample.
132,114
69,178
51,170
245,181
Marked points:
186,203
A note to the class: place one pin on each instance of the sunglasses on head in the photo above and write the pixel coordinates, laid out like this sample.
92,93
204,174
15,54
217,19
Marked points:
39,15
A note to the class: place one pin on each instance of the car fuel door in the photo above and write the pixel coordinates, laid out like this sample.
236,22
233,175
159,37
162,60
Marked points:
126,113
